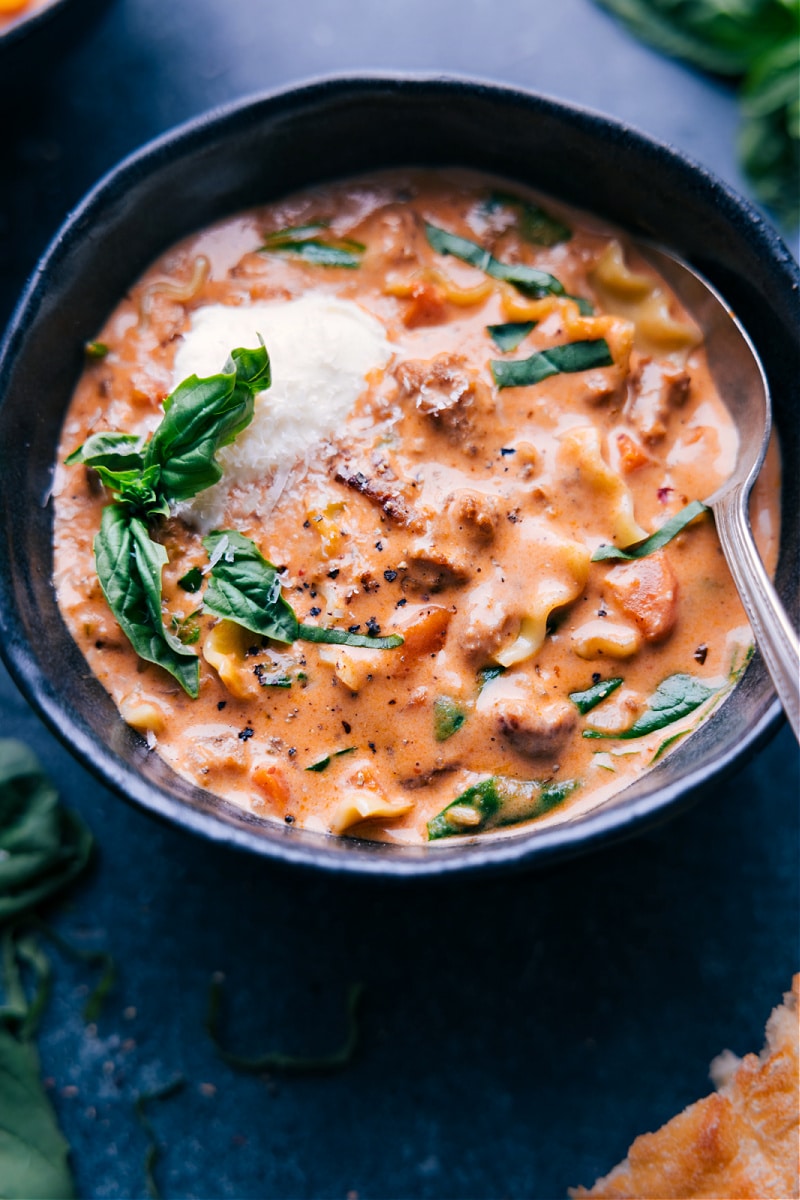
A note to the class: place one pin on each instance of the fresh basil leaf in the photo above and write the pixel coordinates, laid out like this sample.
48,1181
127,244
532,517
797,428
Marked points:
323,763
528,280
535,225
509,336
343,637
585,307
95,350
245,588
655,541
115,451
448,717
566,359
192,581
276,1060
200,417
674,698
483,799
43,846
591,697
34,1155
296,233
129,571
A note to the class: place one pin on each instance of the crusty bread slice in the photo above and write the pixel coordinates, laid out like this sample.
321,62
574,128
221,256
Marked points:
740,1143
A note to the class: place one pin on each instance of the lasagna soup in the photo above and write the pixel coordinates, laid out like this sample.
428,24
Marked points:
379,511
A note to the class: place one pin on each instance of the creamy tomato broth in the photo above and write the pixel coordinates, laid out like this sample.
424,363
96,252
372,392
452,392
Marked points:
473,401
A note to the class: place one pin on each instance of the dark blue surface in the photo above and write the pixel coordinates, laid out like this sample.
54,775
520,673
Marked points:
516,1033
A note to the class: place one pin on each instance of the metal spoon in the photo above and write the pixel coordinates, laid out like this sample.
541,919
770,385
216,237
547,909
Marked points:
743,388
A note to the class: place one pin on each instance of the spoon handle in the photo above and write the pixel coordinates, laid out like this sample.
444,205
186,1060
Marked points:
775,637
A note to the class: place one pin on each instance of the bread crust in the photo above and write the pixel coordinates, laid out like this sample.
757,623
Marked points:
739,1143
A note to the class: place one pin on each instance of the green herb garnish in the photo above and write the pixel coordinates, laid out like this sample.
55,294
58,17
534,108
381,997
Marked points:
448,717
200,417
674,698
586,701
95,350
324,763
655,541
497,802
566,359
304,242
535,225
245,588
509,336
486,674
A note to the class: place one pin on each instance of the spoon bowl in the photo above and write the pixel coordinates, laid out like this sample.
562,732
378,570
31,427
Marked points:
743,387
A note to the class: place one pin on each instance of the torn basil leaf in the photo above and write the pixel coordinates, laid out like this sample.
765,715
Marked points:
497,802
448,717
649,545
587,700
115,451
566,359
95,350
325,762
674,698
486,674
129,570
528,280
509,336
245,588
535,225
43,846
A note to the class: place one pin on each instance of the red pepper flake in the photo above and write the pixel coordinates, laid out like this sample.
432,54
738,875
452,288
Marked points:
664,494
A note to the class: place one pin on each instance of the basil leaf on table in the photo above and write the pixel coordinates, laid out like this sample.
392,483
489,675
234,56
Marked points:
200,417
509,336
43,846
129,569
566,359
245,588
674,698
655,541
33,1152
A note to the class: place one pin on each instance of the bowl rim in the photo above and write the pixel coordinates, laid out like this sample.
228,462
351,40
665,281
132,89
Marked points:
598,827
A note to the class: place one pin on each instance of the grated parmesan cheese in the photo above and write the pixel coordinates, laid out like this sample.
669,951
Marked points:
321,350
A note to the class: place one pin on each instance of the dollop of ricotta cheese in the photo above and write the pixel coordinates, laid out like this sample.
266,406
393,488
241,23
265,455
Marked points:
321,351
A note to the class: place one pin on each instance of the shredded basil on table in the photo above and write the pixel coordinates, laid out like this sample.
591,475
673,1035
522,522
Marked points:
276,1060
674,698
655,541
304,242
587,700
245,588
566,359
509,336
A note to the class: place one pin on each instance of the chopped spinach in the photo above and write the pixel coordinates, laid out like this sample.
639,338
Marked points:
655,541
587,700
566,359
448,717
674,698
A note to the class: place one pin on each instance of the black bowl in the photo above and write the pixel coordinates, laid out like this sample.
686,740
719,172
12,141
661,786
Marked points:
38,40
257,151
